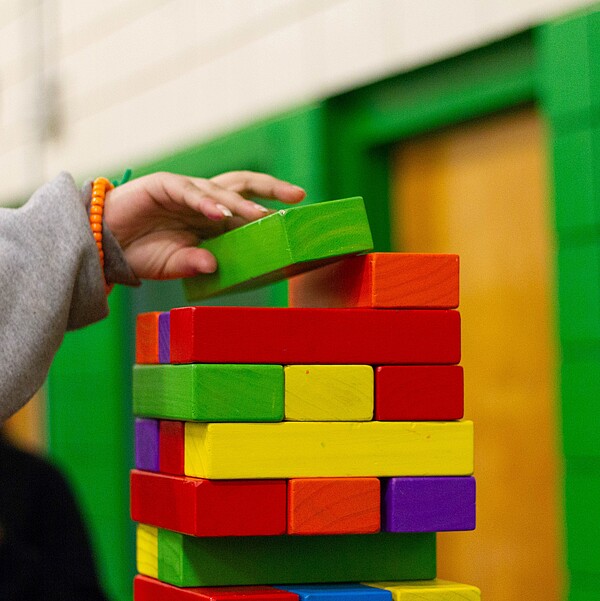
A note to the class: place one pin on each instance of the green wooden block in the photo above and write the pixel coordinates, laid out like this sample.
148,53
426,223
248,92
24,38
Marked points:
215,561
283,244
579,292
574,176
209,392
580,391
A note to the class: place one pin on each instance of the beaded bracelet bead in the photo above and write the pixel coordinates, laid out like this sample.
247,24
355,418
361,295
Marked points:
99,188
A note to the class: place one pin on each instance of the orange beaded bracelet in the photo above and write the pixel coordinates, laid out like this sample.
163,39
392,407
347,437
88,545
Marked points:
99,188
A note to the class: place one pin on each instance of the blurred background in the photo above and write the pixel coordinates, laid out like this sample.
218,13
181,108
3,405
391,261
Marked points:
469,127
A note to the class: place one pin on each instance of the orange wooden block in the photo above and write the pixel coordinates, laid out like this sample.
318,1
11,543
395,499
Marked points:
146,338
333,506
381,280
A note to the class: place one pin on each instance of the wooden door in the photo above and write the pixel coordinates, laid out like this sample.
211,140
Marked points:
479,190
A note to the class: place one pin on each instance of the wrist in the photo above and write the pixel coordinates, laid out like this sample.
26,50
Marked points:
111,221
116,267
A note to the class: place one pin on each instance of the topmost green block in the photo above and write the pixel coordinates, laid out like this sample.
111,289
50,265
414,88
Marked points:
283,244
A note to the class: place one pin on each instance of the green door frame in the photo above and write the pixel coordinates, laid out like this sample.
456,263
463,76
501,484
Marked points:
341,147
364,124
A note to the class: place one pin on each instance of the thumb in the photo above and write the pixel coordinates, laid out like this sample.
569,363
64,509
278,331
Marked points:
188,262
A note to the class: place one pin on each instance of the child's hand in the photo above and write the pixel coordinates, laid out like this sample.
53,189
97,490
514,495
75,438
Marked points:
159,219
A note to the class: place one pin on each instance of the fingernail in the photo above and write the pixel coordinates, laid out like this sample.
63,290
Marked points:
224,210
261,208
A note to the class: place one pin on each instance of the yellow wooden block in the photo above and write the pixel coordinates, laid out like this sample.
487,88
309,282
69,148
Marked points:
322,449
147,550
429,590
329,393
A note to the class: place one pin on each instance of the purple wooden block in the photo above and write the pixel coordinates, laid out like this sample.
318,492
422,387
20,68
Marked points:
164,344
146,444
428,504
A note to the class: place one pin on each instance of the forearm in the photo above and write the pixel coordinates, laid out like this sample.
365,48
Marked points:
50,281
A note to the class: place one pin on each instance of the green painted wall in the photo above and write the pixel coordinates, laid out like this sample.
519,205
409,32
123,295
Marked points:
339,148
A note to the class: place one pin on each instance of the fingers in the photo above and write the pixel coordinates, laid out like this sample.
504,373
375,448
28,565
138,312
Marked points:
200,195
189,262
221,197
234,223
206,197
230,202
169,213
260,184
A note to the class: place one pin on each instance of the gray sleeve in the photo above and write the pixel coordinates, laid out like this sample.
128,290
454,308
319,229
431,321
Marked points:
50,281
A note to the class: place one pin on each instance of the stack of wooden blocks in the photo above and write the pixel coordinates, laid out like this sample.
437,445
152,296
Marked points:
306,453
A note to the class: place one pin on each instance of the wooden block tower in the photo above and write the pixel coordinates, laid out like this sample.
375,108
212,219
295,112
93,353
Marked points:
305,453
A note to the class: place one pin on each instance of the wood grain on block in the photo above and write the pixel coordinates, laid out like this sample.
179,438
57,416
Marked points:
146,338
211,561
338,592
419,392
428,504
146,444
381,280
283,244
164,352
329,392
333,506
150,589
328,449
209,508
209,392
303,336
429,590
171,436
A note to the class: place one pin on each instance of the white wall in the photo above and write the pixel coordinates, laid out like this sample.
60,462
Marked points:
93,86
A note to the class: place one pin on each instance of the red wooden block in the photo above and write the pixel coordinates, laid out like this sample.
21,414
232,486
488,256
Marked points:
209,507
381,280
146,338
170,448
333,505
149,589
338,336
419,393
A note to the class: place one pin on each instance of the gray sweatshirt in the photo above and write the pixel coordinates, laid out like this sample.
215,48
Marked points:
50,282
